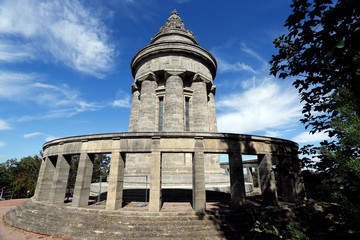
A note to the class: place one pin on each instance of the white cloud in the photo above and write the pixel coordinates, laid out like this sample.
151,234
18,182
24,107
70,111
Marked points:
2,144
122,99
4,125
65,29
125,102
62,100
30,135
259,108
252,53
15,53
224,66
270,133
49,138
307,137
34,134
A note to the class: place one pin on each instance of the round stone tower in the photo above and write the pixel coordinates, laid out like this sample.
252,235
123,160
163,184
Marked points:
173,89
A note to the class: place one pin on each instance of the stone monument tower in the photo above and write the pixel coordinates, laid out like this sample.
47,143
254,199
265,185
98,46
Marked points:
173,89
174,92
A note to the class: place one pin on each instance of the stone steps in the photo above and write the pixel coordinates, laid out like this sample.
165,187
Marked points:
88,223
83,223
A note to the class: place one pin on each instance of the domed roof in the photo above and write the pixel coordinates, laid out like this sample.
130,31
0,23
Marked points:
173,39
174,30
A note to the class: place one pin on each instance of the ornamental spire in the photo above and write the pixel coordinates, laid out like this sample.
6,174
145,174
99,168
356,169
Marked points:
174,25
174,21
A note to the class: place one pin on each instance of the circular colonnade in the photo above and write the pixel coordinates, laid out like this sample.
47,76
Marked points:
270,152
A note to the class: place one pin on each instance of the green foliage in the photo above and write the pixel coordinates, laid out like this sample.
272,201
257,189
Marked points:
74,163
20,176
294,233
101,167
265,230
322,51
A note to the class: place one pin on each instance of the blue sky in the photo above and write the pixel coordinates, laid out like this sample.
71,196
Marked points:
65,67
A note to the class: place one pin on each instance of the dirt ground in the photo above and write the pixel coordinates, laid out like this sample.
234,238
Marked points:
9,233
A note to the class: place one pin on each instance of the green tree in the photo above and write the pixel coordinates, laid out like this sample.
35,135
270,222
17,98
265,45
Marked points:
21,176
101,167
73,170
8,172
322,52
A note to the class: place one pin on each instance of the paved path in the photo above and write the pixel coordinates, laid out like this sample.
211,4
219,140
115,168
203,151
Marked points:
10,233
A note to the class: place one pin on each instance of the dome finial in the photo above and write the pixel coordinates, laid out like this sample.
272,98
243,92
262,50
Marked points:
174,25
174,21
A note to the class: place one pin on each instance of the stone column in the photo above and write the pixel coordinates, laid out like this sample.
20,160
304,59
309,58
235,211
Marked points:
200,111
199,192
299,181
174,103
258,177
116,181
135,103
249,175
83,180
58,188
155,176
212,110
148,104
45,179
286,179
237,185
267,180
290,180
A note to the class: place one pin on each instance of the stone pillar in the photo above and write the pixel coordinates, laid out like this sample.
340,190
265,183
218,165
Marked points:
200,113
135,104
174,103
249,175
83,180
58,188
148,104
199,192
45,179
116,181
258,177
299,181
212,110
267,180
237,185
289,170
155,176
286,179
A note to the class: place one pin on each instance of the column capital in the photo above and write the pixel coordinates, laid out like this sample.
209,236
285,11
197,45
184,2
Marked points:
134,88
147,76
178,72
213,89
198,77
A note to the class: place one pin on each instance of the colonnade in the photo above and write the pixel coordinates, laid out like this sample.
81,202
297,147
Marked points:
54,171
188,103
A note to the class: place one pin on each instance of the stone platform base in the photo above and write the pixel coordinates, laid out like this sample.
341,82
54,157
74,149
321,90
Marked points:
89,223
94,222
